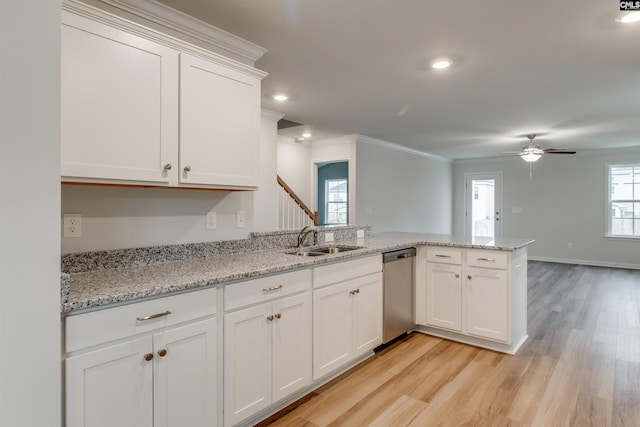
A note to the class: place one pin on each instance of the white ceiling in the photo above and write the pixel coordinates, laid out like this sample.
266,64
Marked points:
561,68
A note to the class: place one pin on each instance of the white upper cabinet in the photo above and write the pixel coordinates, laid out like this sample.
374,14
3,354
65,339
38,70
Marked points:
142,108
119,115
219,124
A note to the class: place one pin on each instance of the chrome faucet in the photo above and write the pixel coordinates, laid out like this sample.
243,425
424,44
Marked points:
302,236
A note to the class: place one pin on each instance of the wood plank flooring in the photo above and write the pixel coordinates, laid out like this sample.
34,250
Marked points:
580,367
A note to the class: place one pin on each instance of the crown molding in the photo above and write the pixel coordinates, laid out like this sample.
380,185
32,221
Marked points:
183,26
397,147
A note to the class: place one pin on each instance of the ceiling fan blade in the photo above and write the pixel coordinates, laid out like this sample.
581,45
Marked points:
558,151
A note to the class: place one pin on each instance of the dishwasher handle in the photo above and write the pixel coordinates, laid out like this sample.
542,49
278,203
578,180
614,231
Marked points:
398,255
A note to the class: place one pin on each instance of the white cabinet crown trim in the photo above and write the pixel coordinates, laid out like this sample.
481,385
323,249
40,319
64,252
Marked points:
127,24
181,24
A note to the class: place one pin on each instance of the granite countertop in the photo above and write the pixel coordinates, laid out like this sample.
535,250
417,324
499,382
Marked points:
104,287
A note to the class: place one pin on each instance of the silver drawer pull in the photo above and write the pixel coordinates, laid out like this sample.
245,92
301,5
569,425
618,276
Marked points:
153,316
443,256
275,288
487,259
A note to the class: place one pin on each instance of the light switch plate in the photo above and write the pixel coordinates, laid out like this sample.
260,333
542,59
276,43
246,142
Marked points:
211,220
241,219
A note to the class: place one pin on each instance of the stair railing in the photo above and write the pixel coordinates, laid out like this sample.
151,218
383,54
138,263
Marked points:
293,213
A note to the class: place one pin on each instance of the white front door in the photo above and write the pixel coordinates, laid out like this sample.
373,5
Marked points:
483,206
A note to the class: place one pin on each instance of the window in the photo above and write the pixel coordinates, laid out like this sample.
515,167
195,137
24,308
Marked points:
336,201
624,200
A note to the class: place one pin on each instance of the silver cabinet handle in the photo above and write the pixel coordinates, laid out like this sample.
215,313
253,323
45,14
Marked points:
153,316
274,288
443,256
355,291
270,317
167,167
278,315
457,275
187,168
487,259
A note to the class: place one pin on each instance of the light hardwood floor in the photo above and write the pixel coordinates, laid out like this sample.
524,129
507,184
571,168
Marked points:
580,366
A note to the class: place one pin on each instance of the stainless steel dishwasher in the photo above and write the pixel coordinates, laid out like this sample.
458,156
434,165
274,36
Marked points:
398,272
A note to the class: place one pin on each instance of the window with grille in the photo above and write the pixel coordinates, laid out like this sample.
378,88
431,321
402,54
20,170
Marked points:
336,201
624,200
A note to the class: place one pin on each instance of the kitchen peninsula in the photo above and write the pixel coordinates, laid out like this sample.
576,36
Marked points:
273,324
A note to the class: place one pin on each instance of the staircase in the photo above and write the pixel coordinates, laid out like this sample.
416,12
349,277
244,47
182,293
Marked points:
293,213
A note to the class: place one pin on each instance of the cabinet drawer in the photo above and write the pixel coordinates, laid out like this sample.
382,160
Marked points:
488,259
347,270
97,327
265,288
444,255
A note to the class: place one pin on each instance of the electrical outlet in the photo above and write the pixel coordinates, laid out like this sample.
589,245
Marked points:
570,245
241,219
328,237
360,234
72,225
211,220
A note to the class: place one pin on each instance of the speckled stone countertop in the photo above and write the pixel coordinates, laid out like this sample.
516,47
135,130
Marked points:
103,287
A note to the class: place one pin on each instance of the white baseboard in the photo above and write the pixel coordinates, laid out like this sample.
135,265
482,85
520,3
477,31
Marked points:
586,262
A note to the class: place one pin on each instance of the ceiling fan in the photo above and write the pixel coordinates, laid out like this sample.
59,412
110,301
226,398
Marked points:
531,152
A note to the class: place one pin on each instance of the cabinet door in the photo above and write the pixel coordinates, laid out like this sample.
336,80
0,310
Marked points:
332,328
444,296
119,98
219,124
487,301
291,345
110,387
366,313
185,376
247,363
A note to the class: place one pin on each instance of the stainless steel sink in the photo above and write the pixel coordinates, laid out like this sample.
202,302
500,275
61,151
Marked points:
323,250
337,249
307,253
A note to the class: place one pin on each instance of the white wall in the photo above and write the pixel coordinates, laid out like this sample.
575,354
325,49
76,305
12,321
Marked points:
400,190
563,203
122,217
294,166
116,218
30,385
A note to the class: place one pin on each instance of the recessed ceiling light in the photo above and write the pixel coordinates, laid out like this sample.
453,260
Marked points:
306,135
629,18
441,64
280,97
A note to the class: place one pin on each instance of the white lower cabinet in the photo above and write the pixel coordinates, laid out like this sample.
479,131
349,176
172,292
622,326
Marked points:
487,297
473,295
267,347
163,378
347,313
444,296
